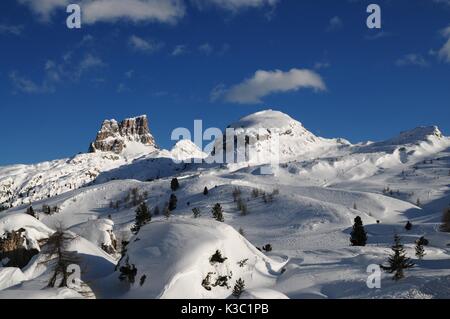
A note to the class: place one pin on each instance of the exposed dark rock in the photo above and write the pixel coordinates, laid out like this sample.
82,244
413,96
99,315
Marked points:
13,249
113,135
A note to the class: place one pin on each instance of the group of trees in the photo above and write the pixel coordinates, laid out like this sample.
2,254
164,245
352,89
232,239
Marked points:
132,199
217,213
397,261
46,209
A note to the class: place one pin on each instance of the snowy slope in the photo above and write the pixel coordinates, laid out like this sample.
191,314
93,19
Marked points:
320,186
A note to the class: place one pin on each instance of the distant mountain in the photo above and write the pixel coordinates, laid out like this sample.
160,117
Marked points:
127,149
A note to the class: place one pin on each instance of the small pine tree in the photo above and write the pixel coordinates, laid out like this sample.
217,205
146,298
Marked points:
217,258
398,261
143,216
358,234
46,210
236,194
420,250
422,241
418,203
166,211
242,206
217,213
242,232
128,272
174,184
30,211
408,226
445,226
142,280
355,207
196,212
238,288
205,191
173,202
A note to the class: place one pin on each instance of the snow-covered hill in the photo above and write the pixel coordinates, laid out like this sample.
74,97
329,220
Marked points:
305,211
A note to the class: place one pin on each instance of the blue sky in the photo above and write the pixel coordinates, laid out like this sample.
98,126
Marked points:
181,60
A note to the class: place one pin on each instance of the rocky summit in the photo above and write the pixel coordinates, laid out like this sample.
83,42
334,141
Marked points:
113,136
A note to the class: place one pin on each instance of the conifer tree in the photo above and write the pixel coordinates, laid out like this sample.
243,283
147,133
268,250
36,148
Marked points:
205,191
30,211
445,226
57,251
358,234
166,211
398,261
420,250
174,184
238,288
143,216
196,212
173,202
408,226
217,213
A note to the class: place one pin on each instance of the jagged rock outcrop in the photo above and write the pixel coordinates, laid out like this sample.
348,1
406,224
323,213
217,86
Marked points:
113,136
14,251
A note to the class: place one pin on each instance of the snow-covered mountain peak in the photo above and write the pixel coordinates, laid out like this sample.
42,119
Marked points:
266,119
419,134
186,149
272,134
117,136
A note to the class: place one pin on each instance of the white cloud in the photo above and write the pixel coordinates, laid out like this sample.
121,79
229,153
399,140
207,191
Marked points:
334,24
66,71
236,5
122,88
412,59
377,35
140,44
447,2
11,29
179,50
444,52
45,8
129,74
164,11
26,85
87,40
90,62
206,48
322,65
264,83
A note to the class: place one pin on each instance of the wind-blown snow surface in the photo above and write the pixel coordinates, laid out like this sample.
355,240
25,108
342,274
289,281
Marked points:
322,186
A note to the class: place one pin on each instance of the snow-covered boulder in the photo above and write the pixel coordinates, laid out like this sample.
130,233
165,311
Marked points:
173,260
